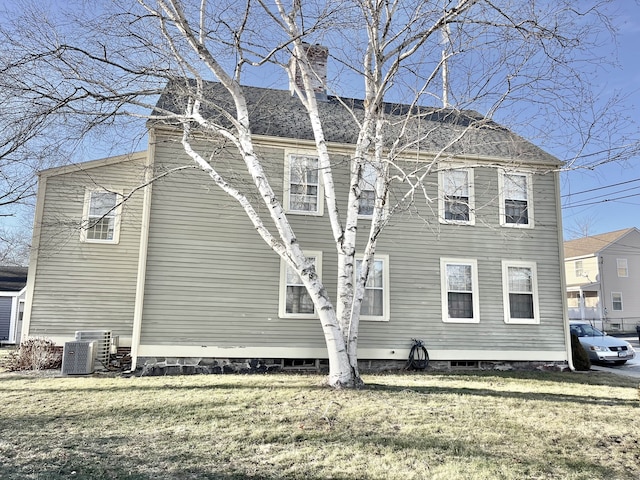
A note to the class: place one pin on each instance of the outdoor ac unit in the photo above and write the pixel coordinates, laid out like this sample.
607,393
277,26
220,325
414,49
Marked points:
102,349
78,358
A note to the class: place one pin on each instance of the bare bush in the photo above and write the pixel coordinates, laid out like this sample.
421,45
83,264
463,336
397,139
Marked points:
34,354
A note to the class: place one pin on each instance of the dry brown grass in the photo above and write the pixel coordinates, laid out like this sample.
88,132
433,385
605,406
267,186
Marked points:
449,426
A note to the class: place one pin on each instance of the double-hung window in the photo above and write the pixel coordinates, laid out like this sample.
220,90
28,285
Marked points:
101,217
375,303
622,267
295,301
303,190
456,196
460,300
368,178
516,208
616,301
578,268
520,291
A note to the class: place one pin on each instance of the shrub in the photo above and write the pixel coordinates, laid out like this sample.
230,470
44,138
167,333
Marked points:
580,357
34,354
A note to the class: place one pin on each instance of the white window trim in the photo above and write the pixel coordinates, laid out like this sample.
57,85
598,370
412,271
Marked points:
621,302
282,307
625,266
441,200
474,289
386,298
286,184
505,292
116,221
530,211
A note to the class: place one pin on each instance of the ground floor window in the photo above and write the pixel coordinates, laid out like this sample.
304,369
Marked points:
375,303
460,300
520,290
295,301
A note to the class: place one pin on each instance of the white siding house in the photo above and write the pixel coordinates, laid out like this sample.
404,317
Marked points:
603,279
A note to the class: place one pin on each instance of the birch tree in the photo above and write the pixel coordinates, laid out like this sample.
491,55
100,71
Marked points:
107,63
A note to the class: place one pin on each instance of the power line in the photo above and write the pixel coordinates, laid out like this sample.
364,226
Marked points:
600,201
601,188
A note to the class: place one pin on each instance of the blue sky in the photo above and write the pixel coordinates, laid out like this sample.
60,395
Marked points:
612,192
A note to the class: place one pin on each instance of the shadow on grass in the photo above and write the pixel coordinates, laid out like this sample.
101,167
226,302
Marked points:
55,454
243,382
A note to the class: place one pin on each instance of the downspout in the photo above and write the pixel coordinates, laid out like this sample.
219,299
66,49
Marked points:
142,255
563,276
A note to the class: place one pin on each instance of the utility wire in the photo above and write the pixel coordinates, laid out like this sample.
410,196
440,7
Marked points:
600,201
600,188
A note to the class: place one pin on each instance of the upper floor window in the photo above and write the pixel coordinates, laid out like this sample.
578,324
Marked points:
520,290
516,208
303,190
623,267
101,216
456,196
295,300
578,268
368,177
460,301
375,303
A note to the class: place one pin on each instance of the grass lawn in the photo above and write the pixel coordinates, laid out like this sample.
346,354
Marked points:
479,425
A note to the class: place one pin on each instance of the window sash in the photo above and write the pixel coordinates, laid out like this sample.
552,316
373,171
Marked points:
456,194
375,295
515,187
578,268
516,207
460,302
622,267
295,300
304,184
368,178
100,218
516,212
520,292
616,301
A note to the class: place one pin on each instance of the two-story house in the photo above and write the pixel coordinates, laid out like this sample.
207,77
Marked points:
179,272
603,279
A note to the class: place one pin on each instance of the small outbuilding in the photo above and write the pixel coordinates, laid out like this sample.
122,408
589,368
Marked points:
13,282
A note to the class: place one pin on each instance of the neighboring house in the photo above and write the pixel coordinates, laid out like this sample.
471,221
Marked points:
13,281
179,271
603,279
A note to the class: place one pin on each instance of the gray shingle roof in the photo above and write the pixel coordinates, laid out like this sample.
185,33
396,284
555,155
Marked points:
279,114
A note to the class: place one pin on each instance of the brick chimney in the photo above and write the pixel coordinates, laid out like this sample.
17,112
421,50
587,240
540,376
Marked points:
317,56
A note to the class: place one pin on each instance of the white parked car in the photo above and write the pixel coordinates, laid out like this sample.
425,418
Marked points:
601,347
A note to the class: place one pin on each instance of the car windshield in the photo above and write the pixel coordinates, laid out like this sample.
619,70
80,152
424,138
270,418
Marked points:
585,330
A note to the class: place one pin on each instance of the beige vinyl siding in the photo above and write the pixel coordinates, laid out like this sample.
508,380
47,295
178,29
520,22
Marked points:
211,280
589,269
85,286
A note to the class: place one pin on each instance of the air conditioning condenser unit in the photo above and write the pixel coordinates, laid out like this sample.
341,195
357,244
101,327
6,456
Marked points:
102,348
78,358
